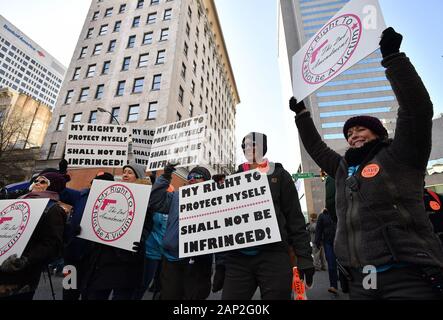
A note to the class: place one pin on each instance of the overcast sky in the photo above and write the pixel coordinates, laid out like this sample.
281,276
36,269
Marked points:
250,30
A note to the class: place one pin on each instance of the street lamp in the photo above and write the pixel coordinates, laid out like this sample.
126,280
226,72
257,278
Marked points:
112,116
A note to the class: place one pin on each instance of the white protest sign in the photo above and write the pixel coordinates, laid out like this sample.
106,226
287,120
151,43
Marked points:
142,139
91,145
351,35
115,213
181,142
238,214
18,219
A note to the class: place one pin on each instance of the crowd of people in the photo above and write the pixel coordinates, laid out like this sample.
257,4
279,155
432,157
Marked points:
374,216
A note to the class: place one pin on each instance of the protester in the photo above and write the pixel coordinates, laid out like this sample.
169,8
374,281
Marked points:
324,237
181,279
317,251
379,183
77,251
269,266
434,207
114,270
20,276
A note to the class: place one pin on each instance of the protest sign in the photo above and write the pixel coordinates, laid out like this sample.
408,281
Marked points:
142,139
237,214
18,219
181,142
90,145
115,213
351,35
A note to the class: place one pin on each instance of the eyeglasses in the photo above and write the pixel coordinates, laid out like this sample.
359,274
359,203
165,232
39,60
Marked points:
41,181
195,176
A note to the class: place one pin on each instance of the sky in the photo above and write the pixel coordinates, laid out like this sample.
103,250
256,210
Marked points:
250,31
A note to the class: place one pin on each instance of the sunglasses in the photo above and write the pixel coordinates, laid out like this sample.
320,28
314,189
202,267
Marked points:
41,181
195,176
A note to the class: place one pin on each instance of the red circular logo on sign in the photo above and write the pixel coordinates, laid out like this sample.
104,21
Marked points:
434,205
113,213
331,49
13,222
370,171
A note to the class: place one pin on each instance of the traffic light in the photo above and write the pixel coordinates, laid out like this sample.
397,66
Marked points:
323,175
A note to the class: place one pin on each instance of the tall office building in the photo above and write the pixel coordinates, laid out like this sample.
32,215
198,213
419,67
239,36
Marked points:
361,90
27,68
149,63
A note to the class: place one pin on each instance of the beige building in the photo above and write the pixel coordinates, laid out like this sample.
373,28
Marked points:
149,63
25,119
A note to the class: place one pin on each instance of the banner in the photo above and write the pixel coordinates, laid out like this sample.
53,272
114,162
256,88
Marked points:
115,213
181,142
18,219
216,218
351,35
91,145
141,144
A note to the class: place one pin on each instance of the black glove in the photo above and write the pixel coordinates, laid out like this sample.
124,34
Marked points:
296,106
307,275
219,278
14,264
137,247
169,170
390,42
77,231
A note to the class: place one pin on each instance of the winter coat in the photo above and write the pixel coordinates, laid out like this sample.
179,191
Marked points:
291,222
44,246
381,217
325,232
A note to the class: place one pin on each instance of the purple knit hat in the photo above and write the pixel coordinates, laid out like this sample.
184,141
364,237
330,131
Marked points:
369,122
57,181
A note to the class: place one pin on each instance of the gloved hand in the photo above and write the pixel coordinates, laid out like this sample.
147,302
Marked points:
14,264
77,231
137,247
219,278
170,168
390,42
295,106
307,275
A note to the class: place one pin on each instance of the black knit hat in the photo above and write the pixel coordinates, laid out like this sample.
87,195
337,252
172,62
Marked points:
368,122
203,171
257,138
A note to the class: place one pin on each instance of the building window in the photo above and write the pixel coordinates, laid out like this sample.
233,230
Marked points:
83,95
93,117
108,12
147,38
100,91
136,22
193,87
185,49
194,67
143,60
117,26
183,71
133,113
115,113
52,150
156,82
112,45
140,4
106,67
138,85
120,88
126,63
181,93
154,2
152,110
77,118
164,34
131,42
76,75
191,110
122,8
97,49
179,116
89,34
161,55
188,29
151,18
189,13
95,15
103,30
61,123
91,71
168,14
83,52
69,96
